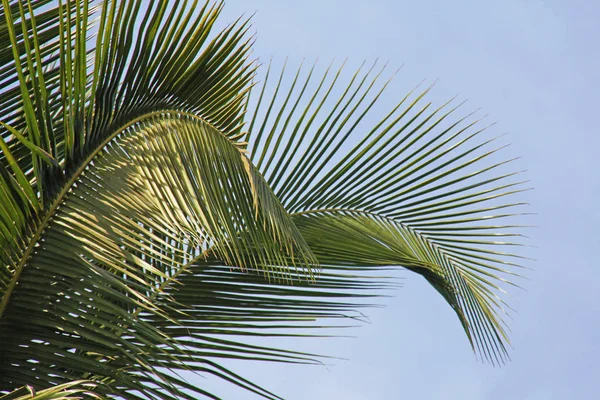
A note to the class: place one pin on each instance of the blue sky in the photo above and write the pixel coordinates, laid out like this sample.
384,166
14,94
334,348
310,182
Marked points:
532,65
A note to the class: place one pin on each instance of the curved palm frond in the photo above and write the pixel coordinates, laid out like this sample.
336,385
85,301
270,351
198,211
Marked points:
129,191
168,190
417,191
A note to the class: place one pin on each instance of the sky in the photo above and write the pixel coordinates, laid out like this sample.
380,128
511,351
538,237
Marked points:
534,67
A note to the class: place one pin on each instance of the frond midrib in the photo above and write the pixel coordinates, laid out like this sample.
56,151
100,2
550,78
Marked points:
441,251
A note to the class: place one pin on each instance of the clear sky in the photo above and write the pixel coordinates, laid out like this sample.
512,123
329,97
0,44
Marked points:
535,67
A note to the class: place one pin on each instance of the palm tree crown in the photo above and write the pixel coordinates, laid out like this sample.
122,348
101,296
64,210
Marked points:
153,219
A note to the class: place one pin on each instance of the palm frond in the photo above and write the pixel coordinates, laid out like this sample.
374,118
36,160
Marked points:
228,314
168,189
414,188
65,113
70,96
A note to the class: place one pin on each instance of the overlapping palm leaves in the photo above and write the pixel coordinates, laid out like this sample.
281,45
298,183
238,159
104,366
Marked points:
67,391
146,230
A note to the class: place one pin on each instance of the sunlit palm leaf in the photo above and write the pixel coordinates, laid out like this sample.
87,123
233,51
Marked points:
69,391
164,191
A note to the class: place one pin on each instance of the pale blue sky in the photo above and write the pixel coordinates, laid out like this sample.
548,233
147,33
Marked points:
534,66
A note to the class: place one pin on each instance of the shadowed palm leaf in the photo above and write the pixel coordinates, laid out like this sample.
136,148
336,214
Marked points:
145,230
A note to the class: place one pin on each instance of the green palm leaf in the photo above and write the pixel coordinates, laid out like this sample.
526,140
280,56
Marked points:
144,231
415,192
